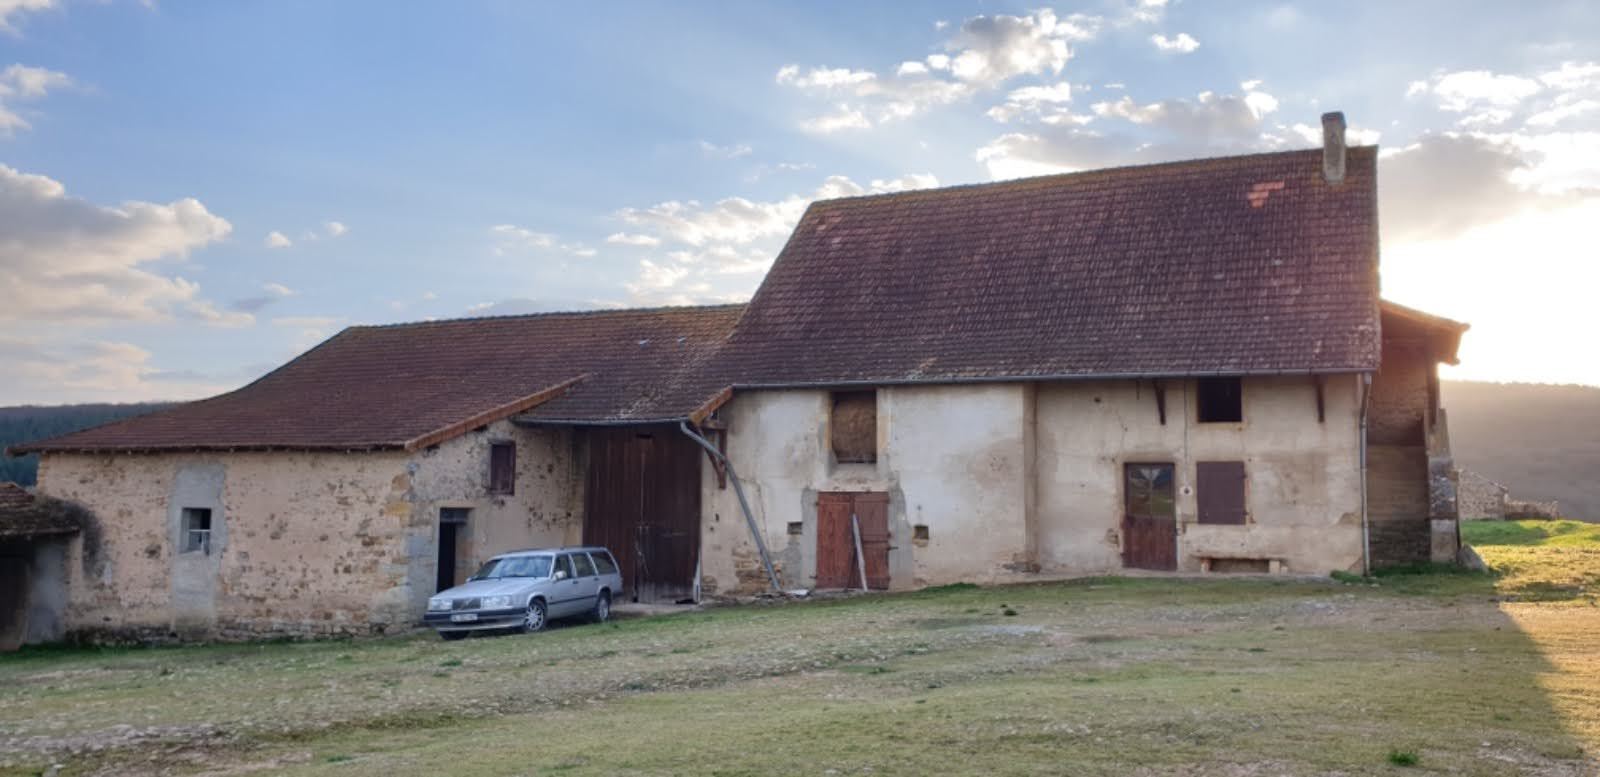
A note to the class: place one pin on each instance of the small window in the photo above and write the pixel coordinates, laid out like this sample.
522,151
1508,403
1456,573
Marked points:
1219,489
502,468
197,530
854,427
604,564
584,565
1220,400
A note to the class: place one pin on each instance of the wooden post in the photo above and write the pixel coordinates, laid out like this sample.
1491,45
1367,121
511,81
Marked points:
861,558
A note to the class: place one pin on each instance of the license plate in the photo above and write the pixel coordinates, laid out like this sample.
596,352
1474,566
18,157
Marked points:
464,617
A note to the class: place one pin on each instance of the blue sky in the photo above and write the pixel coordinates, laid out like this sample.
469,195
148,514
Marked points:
192,193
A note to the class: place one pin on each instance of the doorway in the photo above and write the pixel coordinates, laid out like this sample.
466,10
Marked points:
836,543
1150,517
452,521
642,502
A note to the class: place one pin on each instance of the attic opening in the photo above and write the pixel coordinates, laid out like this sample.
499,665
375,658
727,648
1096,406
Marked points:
853,427
1219,400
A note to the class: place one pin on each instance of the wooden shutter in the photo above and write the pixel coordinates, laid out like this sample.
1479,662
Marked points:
1220,487
502,468
854,427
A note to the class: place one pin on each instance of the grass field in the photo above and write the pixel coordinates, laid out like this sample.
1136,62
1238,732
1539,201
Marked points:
1409,673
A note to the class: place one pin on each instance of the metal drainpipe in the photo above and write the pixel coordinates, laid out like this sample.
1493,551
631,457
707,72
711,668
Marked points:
744,504
1366,536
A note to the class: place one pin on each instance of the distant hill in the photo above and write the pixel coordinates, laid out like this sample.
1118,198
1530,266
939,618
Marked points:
1541,441
30,422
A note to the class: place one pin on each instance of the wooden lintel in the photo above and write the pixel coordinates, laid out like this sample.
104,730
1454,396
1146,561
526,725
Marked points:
1161,401
1322,415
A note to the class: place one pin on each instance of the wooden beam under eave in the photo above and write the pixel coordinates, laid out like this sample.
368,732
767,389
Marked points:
490,416
710,406
1322,415
1161,400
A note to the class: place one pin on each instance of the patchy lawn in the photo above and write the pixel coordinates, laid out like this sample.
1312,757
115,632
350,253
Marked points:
1539,559
1114,676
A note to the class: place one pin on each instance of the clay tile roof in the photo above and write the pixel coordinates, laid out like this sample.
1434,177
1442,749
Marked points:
407,386
1236,265
21,515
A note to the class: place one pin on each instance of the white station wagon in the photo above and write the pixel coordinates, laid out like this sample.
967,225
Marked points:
524,589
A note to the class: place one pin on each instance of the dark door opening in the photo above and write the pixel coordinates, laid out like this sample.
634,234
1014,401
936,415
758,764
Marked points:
642,502
836,543
1150,518
451,519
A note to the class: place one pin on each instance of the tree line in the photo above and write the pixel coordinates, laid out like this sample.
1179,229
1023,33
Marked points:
29,423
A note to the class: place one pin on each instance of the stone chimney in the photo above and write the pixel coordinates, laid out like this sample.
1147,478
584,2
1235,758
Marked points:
1333,147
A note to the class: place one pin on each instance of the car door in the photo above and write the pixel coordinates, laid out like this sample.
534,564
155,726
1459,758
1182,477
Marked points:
584,571
566,595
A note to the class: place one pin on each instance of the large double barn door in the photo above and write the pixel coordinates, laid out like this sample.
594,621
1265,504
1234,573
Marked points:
642,500
836,543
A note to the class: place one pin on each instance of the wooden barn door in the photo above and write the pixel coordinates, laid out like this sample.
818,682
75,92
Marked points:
642,501
1150,517
836,547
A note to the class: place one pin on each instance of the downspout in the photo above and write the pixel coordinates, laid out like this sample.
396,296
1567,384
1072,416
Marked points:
1366,536
744,504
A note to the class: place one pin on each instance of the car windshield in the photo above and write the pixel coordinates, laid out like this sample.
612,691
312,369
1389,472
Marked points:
514,566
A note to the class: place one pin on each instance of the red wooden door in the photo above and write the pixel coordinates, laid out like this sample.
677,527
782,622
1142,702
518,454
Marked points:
836,545
1150,518
872,510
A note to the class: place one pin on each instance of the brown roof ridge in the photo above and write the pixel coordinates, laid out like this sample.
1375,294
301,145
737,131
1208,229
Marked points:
595,313
494,414
1083,175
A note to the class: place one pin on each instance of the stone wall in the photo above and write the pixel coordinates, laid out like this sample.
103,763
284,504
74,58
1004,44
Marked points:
1479,498
302,544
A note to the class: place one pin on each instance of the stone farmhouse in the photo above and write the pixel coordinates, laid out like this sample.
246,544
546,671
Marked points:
1175,367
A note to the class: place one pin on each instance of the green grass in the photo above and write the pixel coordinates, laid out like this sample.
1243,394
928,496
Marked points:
1553,534
1106,676
1548,560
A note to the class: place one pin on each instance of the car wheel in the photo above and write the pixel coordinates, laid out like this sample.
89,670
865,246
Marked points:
535,618
451,636
602,608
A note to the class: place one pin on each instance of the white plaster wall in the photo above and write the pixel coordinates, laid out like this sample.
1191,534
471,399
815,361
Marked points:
954,458
1302,490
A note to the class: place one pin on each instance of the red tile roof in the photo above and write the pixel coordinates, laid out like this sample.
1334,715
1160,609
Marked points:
22,515
1237,265
407,386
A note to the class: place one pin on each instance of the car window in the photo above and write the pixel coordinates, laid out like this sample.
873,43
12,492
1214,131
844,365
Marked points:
564,564
584,565
603,562
527,566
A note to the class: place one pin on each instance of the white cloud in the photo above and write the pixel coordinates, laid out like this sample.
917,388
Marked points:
720,249
1208,118
724,152
984,52
277,289
335,228
630,239
842,118
20,83
276,239
511,238
1183,44
1032,100
732,220
10,10
51,372
67,259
